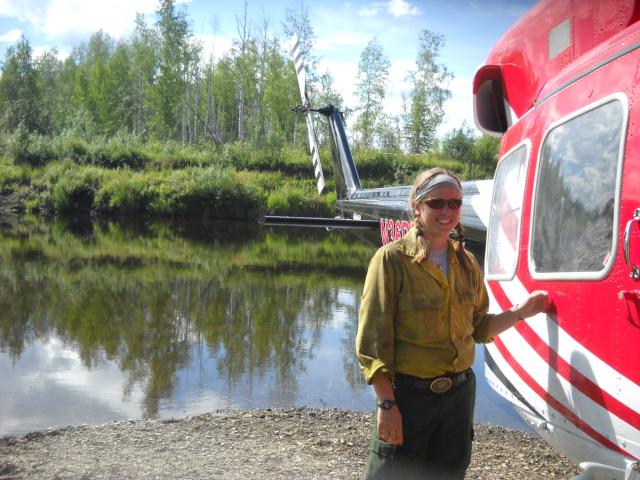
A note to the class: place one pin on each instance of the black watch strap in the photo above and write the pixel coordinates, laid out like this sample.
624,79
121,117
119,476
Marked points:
386,404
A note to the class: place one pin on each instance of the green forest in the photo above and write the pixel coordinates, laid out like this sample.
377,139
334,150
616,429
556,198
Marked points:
151,125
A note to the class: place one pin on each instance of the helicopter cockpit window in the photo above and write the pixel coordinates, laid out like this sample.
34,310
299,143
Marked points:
559,38
506,209
576,194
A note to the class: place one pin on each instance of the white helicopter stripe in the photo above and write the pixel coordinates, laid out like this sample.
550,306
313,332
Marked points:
518,383
592,367
541,405
560,392
556,418
530,382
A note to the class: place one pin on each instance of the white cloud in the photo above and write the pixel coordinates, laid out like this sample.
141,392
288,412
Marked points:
66,19
398,85
51,385
11,36
396,8
459,108
29,11
402,8
369,11
399,71
214,44
333,43
344,75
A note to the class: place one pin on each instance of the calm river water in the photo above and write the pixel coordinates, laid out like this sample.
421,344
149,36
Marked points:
111,320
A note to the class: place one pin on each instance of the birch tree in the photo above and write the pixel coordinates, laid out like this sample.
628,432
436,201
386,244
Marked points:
373,73
169,89
19,89
428,94
145,45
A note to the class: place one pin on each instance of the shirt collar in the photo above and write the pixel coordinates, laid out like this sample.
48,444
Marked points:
409,245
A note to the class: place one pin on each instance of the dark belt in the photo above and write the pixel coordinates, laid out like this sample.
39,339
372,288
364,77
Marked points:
439,384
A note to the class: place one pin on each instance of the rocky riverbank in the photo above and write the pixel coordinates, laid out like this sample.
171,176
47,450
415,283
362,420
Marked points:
299,443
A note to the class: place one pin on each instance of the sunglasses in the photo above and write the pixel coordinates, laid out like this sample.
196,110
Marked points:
439,203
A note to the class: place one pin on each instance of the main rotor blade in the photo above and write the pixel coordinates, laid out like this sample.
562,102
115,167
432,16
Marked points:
313,139
298,61
315,153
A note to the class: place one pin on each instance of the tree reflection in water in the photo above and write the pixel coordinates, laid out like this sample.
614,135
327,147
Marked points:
147,296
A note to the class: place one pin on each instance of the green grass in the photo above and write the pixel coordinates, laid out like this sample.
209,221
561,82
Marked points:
123,175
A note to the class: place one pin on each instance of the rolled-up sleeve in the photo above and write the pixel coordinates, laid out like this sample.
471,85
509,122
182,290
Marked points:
481,317
376,336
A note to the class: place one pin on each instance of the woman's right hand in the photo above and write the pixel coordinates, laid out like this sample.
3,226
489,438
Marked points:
390,425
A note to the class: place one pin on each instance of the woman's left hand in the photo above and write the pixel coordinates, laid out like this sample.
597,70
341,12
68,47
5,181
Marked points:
535,303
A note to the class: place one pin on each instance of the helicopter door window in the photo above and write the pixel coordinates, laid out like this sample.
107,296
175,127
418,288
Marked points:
577,194
506,209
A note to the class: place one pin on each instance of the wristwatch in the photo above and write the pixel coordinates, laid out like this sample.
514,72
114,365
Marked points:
386,404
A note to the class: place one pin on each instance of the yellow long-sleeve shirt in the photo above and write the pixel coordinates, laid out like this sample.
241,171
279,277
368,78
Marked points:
413,320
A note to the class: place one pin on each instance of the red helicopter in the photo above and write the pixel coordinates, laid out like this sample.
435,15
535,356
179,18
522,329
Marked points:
560,88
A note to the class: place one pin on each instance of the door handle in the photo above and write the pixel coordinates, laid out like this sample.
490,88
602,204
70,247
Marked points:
631,299
635,272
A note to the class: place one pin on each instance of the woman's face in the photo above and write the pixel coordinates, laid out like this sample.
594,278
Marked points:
438,223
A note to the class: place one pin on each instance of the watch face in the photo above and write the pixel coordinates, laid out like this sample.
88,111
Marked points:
386,404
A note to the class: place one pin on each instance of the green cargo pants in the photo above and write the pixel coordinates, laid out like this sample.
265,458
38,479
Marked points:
437,430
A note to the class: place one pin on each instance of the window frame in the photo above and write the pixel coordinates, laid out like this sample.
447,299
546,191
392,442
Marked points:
606,269
526,143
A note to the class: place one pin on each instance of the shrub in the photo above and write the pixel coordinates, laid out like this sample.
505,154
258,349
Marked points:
29,149
13,174
238,155
375,165
287,201
210,192
269,158
75,191
126,193
295,200
119,156
204,193
377,168
76,150
297,162
41,197
173,155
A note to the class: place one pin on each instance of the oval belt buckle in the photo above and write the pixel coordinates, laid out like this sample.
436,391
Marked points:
441,385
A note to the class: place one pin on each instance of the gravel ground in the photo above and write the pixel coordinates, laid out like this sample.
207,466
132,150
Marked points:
299,443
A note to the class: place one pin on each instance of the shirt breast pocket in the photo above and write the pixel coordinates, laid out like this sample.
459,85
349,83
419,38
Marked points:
465,300
420,319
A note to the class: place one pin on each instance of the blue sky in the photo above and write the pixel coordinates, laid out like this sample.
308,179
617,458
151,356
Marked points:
343,29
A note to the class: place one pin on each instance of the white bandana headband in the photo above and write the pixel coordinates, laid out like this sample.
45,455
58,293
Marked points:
439,180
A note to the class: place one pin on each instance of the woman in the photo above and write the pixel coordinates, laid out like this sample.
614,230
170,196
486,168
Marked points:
424,306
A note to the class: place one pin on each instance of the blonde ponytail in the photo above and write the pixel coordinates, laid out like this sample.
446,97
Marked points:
461,253
423,245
